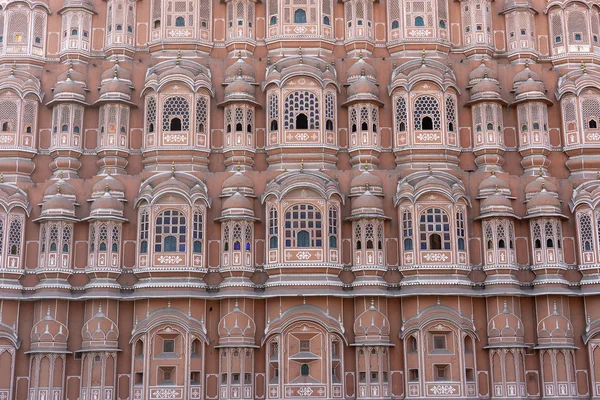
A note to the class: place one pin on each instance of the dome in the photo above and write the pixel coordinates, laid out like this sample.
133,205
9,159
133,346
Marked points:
525,75
505,327
117,70
58,205
237,201
238,182
372,327
72,74
108,184
537,185
48,333
492,185
482,72
115,86
85,4
362,86
240,68
543,204
236,328
69,87
554,329
360,68
63,187
366,181
239,88
529,86
100,332
367,205
107,206
485,85
496,205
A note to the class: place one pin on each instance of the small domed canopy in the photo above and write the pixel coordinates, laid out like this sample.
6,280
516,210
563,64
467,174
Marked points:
496,205
537,185
189,73
240,68
116,86
544,204
417,184
185,185
106,207
63,187
49,335
239,91
57,205
586,194
505,329
576,81
109,184
372,327
494,185
524,75
100,333
238,182
510,5
305,66
362,90
486,90
367,206
482,72
555,330
361,68
69,90
87,5
366,181
21,82
236,328
11,197
237,207
410,73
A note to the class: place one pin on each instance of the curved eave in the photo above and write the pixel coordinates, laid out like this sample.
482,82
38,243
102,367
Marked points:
57,218
225,103
61,101
105,217
239,345
543,99
238,217
53,351
367,216
363,100
497,215
518,7
545,214
102,101
32,5
365,344
486,100
98,349
77,8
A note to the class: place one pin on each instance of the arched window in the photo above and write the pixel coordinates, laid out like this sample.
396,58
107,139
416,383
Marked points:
593,124
434,222
354,128
427,123
273,20
198,231
274,125
326,20
333,227
585,232
407,230
5,127
490,127
296,103
419,21
364,126
179,21
238,127
175,124
395,24
460,230
273,229
301,121
299,16
303,226
329,125
144,231
170,232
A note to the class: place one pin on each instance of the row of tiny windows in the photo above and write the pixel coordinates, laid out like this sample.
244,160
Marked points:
18,38
576,36
299,18
75,32
418,22
120,28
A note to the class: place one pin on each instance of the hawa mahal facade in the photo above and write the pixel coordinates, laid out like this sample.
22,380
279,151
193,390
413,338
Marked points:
299,199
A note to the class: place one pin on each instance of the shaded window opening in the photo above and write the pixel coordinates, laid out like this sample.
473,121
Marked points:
461,244
156,24
435,242
249,128
303,239
408,244
395,24
364,126
593,124
238,127
326,20
197,246
402,127
419,21
490,245
329,125
301,121
333,242
550,243
273,242
274,125
228,128
273,20
304,370
179,21
144,247
358,245
451,127
175,124
170,243
538,244
300,16
426,124
353,128
151,128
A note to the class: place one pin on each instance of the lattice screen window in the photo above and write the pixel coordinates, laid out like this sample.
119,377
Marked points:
273,111
556,29
205,13
273,228
301,106
144,230
198,231
30,116
327,12
333,227
273,12
180,13
419,14
176,114
489,236
451,114
18,28
329,110
460,230
426,107
442,13
201,114
8,116
249,120
39,31
401,114
15,234
150,114
590,110
156,13
394,15
586,233
577,27
67,232
358,237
